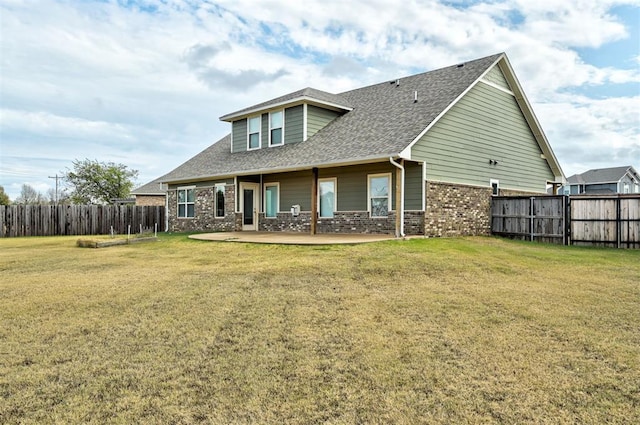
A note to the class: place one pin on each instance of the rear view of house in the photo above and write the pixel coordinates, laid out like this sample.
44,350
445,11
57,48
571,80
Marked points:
421,154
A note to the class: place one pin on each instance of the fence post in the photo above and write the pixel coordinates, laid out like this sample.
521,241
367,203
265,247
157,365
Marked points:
618,223
531,210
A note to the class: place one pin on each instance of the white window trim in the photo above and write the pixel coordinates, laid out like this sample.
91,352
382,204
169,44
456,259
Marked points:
215,199
369,177
259,117
185,203
272,112
497,183
264,199
335,196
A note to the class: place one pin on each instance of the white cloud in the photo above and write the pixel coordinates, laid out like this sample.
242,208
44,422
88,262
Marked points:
145,82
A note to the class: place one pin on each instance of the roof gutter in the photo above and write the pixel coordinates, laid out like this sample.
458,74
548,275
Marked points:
401,212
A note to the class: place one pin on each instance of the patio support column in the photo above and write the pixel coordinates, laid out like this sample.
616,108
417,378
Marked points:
314,201
399,197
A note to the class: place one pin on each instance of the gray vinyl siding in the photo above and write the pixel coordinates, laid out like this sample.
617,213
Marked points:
239,142
293,123
486,124
317,118
264,135
352,184
295,189
413,186
497,77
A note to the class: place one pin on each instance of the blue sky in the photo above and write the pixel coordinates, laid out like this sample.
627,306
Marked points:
143,82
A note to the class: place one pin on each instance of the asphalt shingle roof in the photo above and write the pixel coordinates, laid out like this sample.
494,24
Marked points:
599,175
152,188
383,122
309,93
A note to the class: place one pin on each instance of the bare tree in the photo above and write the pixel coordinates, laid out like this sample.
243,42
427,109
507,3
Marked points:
30,196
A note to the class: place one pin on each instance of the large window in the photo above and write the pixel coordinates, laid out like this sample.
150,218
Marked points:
379,195
276,136
186,202
253,129
219,200
327,197
271,200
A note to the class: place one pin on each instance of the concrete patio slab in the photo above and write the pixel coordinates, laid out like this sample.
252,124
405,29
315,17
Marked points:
289,238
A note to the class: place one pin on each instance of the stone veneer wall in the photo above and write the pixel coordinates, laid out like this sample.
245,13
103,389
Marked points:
204,219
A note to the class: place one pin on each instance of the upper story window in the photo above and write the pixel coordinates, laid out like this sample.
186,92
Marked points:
253,130
626,188
276,127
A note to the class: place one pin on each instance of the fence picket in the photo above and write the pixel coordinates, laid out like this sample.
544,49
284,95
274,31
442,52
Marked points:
612,220
42,220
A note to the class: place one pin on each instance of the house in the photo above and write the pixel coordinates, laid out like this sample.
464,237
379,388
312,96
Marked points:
603,181
421,154
152,194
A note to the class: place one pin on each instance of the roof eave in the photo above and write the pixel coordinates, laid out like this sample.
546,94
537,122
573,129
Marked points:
290,102
308,166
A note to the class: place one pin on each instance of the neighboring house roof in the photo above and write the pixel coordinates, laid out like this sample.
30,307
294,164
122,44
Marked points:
154,187
602,175
384,121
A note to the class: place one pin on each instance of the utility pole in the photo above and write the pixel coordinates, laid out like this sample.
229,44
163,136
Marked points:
57,178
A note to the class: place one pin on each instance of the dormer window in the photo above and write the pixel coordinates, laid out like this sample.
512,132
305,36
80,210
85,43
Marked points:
276,125
253,130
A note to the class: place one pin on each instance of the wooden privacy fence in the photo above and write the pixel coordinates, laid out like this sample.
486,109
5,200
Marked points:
45,220
612,220
534,218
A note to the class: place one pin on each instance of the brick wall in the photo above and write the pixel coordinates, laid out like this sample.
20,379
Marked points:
151,200
344,222
457,210
460,210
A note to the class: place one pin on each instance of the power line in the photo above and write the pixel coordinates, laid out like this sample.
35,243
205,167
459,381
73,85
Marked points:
57,178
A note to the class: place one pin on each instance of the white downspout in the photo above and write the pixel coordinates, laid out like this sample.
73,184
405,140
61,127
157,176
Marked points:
166,209
401,212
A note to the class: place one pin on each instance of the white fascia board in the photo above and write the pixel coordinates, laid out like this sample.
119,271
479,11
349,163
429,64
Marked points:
290,102
406,152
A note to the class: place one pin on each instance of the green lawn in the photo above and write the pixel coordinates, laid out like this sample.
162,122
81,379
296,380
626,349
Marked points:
476,330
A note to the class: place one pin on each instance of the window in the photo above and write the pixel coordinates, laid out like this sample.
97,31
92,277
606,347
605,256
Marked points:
219,200
253,129
495,186
379,190
626,188
186,202
275,129
637,188
327,197
271,200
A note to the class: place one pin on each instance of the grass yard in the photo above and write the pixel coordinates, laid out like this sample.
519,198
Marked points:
476,330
